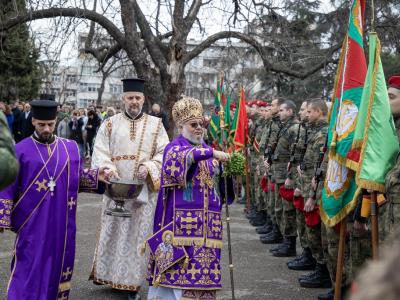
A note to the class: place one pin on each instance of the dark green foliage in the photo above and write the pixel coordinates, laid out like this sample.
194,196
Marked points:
20,73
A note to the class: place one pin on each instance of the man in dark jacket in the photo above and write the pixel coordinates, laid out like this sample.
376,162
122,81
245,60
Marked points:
156,112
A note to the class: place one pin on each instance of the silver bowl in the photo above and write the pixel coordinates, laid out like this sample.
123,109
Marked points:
122,191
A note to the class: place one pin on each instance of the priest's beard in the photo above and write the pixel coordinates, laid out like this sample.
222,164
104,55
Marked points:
44,136
192,138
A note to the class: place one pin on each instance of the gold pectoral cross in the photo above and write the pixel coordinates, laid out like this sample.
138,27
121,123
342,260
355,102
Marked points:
41,185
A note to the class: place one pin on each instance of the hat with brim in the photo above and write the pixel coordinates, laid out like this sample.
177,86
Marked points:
133,85
44,109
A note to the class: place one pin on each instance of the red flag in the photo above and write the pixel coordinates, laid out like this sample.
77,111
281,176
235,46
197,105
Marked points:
241,124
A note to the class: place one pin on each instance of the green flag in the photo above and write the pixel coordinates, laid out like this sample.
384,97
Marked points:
214,123
227,119
375,135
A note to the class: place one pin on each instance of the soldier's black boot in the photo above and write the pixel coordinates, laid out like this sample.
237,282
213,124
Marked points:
288,248
303,262
259,219
274,238
331,294
318,279
266,228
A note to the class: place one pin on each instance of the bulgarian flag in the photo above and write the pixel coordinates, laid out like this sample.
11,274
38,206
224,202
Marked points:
240,124
340,186
375,137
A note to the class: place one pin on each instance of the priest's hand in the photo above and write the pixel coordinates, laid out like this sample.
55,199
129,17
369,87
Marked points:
309,205
221,156
103,175
142,173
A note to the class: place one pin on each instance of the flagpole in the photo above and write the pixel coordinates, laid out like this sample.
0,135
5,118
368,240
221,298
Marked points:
340,259
374,223
228,227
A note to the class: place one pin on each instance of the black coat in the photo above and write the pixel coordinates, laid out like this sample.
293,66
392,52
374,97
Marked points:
24,127
76,132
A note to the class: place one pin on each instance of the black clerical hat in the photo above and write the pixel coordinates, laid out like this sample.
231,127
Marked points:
44,109
47,97
133,85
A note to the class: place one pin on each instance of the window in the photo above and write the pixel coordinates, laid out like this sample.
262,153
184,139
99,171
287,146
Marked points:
89,87
70,93
56,77
83,103
115,89
71,78
88,70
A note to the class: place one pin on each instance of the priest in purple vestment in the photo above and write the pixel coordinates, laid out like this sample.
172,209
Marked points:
186,245
40,207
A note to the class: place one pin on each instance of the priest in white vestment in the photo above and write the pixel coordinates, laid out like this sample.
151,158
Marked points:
131,145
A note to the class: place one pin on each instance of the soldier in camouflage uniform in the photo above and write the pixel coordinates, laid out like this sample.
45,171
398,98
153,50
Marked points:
254,215
318,129
285,213
389,213
269,232
9,166
305,261
257,161
8,163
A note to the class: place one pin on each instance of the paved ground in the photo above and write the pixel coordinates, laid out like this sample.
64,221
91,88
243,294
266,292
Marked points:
257,274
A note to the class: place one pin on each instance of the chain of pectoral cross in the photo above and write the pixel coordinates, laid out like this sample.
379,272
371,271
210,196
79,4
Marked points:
51,185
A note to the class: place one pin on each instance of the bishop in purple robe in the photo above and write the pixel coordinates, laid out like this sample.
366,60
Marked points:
186,246
40,207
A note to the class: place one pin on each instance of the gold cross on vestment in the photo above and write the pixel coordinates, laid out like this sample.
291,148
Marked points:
173,167
202,151
193,271
71,203
41,185
216,271
67,273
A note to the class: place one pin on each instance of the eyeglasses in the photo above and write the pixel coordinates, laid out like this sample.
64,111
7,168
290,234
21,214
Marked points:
194,125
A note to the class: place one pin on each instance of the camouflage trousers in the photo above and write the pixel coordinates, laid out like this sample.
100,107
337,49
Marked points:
360,251
288,219
301,229
389,219
278,207
252,187
314,240
330,242
271,205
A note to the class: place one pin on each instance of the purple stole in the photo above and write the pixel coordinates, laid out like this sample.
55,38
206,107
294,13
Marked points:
45,225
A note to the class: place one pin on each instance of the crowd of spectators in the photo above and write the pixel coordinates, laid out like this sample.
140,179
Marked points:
79,124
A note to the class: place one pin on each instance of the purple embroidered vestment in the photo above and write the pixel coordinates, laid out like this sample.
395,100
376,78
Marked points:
44,220
189,204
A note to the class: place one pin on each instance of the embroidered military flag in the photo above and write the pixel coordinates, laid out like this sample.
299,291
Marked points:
240,124
340,185
375,126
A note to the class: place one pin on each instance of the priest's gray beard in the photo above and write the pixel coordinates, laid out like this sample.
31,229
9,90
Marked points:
194,139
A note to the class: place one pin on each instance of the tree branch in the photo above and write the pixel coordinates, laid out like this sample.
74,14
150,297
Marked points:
66,12
261,51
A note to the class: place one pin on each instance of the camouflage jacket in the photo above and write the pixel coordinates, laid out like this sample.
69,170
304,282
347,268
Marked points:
297,153
285,139
9,166
269,134
392,181
316,140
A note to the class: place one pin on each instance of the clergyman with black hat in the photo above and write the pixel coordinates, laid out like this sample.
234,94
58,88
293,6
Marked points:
40,207
131,145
